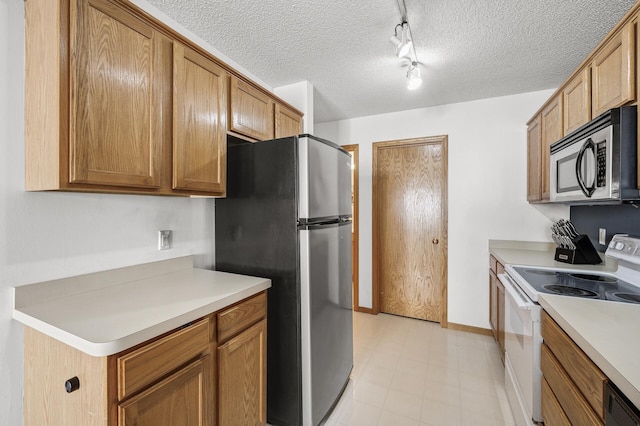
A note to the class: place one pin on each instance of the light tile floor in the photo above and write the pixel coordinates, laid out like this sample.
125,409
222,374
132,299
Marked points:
409,372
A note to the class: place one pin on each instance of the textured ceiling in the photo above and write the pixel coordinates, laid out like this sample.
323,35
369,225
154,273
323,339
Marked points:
469,49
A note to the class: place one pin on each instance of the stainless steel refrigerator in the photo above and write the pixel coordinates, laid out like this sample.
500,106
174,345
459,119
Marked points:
287,217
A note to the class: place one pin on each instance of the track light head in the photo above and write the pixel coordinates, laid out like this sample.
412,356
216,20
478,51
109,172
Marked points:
402,43
414,79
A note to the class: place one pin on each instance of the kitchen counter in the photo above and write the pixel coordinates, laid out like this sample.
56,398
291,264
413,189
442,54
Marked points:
107,312
540,254
608,332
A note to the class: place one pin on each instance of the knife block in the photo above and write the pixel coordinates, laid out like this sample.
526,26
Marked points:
583,254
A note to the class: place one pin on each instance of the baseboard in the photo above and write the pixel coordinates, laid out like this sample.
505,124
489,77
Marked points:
364,310
469,329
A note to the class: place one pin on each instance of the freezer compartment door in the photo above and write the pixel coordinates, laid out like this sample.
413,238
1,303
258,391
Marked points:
327,322
325,179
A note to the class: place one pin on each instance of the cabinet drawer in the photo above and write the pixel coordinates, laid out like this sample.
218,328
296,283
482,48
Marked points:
577,409
241,316
147,364
552,413
587,377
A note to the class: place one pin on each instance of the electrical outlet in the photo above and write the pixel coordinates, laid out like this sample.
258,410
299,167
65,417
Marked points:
164,240
602,236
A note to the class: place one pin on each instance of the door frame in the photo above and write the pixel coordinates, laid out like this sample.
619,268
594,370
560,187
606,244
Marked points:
355,256
375,285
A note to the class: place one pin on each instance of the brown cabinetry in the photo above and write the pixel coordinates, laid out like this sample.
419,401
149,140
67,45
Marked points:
576,98
99,115
242,369
534,160
614,71
199,122
575,385
496,303
116,101
551,131
182,377
542,131
606,79
288,122
94,111
251,111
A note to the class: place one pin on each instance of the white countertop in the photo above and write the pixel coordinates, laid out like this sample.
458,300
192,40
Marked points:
540,254
608,332
107,312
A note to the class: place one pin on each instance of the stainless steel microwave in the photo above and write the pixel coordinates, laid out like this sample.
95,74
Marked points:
597,163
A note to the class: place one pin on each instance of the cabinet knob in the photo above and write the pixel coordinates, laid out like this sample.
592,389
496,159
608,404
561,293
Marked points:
435,241
72,384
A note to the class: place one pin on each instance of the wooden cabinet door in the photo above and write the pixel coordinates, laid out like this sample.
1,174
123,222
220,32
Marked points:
251,111
288,122
493,303
242,385
116,82
534,164
614,72
577,101
184,398
551,127
500,309
199,122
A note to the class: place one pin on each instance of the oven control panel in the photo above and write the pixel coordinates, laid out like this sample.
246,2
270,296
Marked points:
626,247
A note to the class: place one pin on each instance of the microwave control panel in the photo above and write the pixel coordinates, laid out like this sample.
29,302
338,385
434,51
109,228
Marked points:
601,162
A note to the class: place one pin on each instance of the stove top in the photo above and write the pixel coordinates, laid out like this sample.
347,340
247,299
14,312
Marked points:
620,286
579,284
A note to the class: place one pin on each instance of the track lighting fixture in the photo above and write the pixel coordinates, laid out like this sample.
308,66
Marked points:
404,43
414,80
406,49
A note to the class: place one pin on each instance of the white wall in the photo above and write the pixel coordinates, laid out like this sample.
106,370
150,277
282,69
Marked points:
487,187
299,95
51,235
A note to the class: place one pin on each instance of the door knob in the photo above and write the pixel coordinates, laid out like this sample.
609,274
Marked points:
435,241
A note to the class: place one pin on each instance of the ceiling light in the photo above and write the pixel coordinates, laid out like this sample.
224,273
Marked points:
403,44
413,76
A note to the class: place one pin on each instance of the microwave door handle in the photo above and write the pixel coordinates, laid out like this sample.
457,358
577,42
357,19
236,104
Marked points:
588,191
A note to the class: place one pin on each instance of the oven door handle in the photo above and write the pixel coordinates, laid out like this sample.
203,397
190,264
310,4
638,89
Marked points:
514,292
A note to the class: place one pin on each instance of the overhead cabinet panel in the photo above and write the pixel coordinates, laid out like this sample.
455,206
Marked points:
614,72
251,111
534,163
577,101
200,99
288,122
551,127
116,99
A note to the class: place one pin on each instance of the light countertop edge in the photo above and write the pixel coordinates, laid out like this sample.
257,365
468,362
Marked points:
540,254
607,332
105,320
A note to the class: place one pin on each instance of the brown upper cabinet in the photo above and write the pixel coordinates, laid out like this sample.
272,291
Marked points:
288,122
551,126
614,72
251,111
576,98
94,112
199,117
606,79
534,160
117,101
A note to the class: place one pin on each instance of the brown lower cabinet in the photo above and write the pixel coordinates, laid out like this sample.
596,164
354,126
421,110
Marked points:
573,386
496,303
184,377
